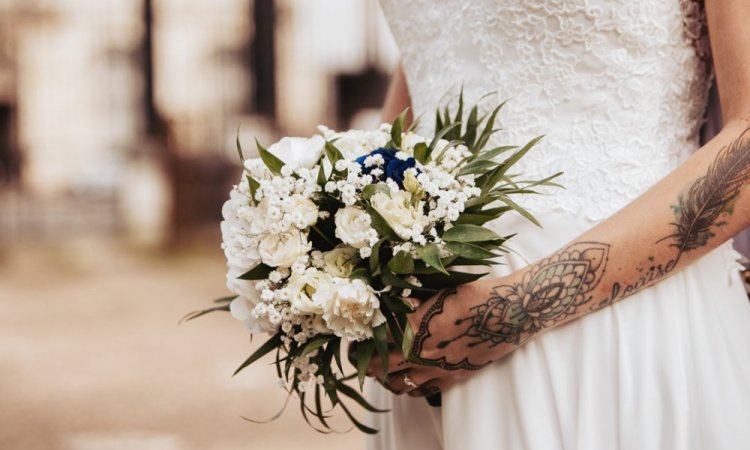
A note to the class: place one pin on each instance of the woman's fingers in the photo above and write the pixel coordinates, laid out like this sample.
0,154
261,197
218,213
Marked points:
406,381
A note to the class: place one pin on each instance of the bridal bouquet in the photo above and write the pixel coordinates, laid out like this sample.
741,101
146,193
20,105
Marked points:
326,237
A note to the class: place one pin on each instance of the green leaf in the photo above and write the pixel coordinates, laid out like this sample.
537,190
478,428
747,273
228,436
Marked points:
356,396
483,216
380,339
333,153
440,134
492,153
258,272
471,127
372,189
375,258
362,273
421,153
520,210
489,129
273,163
239,146
478,166
390,278
364,351
337,354
314,344
430,254
253,185
469,233
322,179
408,341
360,426
453,279
468,250
195,314
380,224
401,263
397,127
269,345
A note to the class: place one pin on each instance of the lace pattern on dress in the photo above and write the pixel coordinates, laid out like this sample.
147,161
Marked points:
618,87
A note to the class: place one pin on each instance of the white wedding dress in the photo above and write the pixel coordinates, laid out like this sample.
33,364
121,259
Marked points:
619,88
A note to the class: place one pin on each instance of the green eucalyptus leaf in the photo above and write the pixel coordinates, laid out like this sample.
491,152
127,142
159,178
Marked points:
375,258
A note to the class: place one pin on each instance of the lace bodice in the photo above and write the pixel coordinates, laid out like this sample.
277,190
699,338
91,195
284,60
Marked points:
617,86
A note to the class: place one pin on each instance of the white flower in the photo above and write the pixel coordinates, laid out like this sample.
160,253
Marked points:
397,210
242,308
301,289
299,152
283,249
340,261
303,210
353,227
351,308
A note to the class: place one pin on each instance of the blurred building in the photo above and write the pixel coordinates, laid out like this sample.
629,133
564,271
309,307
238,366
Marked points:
118,117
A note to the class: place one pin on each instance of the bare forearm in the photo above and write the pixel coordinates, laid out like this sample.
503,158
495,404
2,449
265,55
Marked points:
397,97
700,205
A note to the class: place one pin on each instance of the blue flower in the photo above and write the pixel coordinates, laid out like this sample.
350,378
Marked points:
392,167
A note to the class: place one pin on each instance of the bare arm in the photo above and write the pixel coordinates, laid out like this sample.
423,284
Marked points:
697,207
397,97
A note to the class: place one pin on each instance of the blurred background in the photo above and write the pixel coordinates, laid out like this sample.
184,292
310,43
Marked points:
117,128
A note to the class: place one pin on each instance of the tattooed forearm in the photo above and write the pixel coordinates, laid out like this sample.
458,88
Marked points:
578,279
550,291
698,212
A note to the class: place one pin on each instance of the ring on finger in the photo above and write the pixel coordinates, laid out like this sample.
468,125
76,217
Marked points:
408,381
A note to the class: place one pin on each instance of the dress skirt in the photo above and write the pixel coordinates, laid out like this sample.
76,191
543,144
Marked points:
665,369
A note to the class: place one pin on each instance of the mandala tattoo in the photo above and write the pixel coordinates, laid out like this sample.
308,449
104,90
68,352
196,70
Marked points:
550,292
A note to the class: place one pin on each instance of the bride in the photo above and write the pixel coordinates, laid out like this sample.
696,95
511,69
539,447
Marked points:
629,328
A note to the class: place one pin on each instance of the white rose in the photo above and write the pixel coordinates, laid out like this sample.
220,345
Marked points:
303,210
397,210
353,227
281,250
340,261
301,290
350,308
299,152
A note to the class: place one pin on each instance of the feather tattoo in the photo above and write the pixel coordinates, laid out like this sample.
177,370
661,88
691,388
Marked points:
711,195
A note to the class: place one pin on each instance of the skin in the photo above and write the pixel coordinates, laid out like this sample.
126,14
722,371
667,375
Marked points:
700,205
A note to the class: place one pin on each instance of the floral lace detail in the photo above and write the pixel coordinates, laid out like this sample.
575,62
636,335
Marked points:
618,87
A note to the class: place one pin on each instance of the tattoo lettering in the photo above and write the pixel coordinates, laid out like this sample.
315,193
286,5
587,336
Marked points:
698,212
